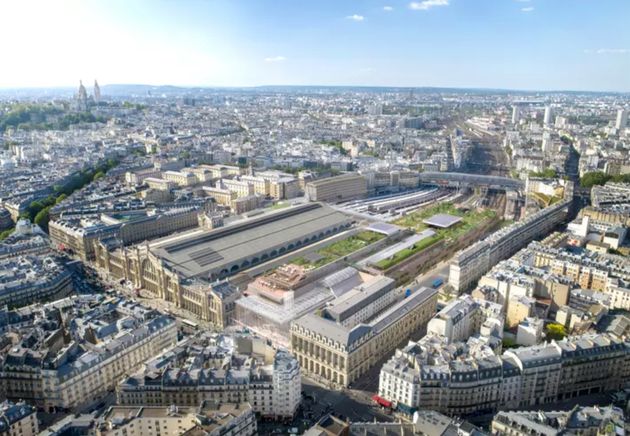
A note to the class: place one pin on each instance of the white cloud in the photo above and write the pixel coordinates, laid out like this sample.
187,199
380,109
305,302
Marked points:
427,4
275,59
355,17
608,51
527,9
388,8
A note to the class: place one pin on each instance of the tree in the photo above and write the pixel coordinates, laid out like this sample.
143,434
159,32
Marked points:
589,180
509,343
555,331
5,234
98,175
42,218
548,173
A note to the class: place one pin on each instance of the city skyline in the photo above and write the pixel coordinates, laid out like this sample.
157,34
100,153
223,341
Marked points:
487,44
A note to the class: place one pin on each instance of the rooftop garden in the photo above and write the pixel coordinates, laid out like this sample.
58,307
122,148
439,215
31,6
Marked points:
337,250
406,252
471,219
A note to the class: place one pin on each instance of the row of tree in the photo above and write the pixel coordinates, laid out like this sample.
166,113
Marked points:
39,210
594,178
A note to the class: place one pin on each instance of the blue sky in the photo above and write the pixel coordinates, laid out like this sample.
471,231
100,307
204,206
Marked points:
535,44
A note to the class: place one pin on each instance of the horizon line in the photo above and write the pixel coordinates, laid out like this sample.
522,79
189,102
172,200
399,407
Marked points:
253,87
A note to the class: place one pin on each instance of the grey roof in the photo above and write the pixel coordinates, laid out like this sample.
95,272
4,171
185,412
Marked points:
442,220
347,337
384,228
359,297
332,330
201,252
401,308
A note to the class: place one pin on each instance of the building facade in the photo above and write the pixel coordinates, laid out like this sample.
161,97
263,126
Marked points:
338,188
71,369
468,378
338,355
268,379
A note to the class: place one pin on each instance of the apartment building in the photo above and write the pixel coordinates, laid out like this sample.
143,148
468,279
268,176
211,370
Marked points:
242,188
579,420
261,184
138,177
18,419
57,366
584,276
242,205
159,184
455,379
468,378
268,379
180,178
26,239
29,279
459,320
222,196
518,309
470,264
209,418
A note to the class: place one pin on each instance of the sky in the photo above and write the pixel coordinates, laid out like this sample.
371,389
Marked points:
507,44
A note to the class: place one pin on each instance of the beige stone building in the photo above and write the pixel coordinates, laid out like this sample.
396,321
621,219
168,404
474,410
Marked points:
66,374
222,196
18,419
338,355
242,188
213,303
245,204
586,277
518,309
159,184
261,184
343,187
180,178
210,418
80,234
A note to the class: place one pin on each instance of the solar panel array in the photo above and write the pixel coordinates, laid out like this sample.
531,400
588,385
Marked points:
205,256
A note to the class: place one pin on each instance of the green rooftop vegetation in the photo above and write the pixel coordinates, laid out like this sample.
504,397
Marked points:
406,252
339,249
471,219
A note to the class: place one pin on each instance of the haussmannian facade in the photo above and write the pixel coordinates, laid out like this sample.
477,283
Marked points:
338,355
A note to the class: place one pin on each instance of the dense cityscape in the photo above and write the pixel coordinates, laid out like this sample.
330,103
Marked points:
325,260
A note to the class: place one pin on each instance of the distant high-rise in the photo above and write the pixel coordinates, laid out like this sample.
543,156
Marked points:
622,119
97,92
516,114
548,116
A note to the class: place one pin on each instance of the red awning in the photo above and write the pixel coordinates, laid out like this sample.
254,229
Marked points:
382,401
